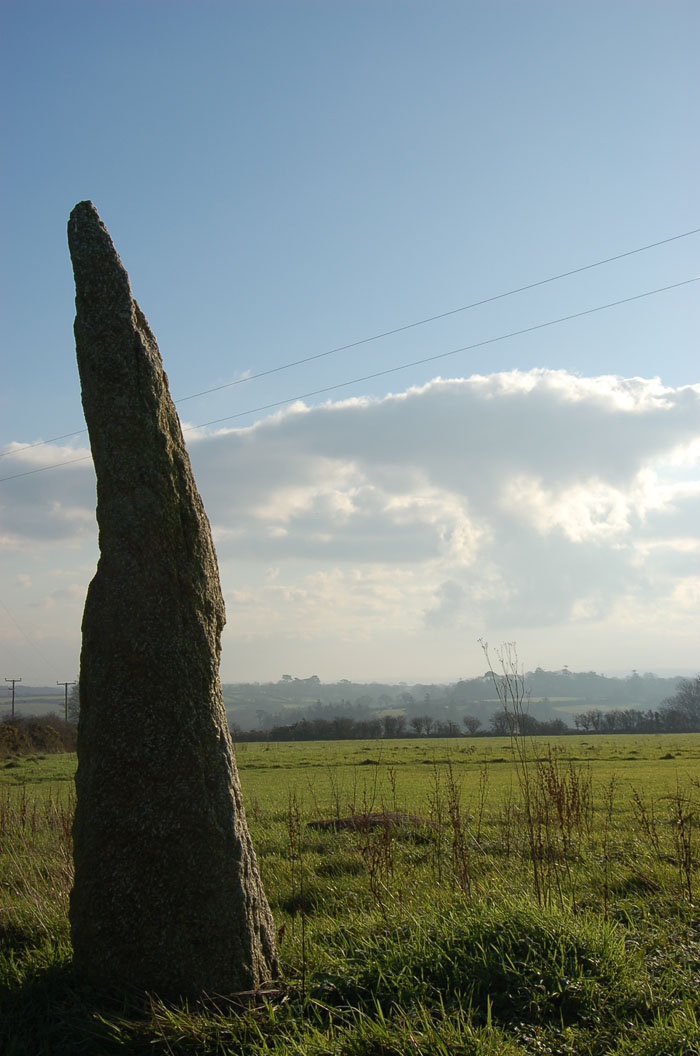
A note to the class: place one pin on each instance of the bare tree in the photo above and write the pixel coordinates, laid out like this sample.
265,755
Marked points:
417,724
471,724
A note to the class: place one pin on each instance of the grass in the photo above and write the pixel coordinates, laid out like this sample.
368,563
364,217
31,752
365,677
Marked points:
569,927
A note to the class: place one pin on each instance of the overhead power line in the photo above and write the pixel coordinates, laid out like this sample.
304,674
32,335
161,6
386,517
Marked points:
452,352
441,315
387,333
43,469
394,370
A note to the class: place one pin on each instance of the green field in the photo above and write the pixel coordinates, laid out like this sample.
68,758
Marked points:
542,901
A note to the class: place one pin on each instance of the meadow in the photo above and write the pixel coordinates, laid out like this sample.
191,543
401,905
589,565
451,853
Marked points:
466,896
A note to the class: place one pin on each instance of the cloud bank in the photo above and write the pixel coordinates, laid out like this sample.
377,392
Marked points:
373,537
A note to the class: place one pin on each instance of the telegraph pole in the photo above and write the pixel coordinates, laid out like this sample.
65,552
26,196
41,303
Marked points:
13,680
65,686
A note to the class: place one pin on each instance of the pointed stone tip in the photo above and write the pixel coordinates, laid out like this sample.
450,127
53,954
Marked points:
84,210
87,233
96,264
84,214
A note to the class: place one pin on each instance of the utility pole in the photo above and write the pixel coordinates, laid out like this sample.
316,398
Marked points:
65,706
13,680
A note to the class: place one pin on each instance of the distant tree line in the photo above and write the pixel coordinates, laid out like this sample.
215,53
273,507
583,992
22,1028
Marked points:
678,714
273,704
344,728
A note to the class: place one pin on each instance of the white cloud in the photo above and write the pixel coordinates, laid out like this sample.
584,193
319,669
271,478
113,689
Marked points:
516,504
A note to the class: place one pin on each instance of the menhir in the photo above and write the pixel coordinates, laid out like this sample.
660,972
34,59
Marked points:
167,894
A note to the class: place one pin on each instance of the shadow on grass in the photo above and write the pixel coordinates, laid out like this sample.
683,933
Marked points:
51,1012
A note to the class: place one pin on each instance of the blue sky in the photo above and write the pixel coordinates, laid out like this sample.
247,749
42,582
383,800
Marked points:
283,178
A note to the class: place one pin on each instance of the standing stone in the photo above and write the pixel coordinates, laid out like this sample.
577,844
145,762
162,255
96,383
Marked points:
167,895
